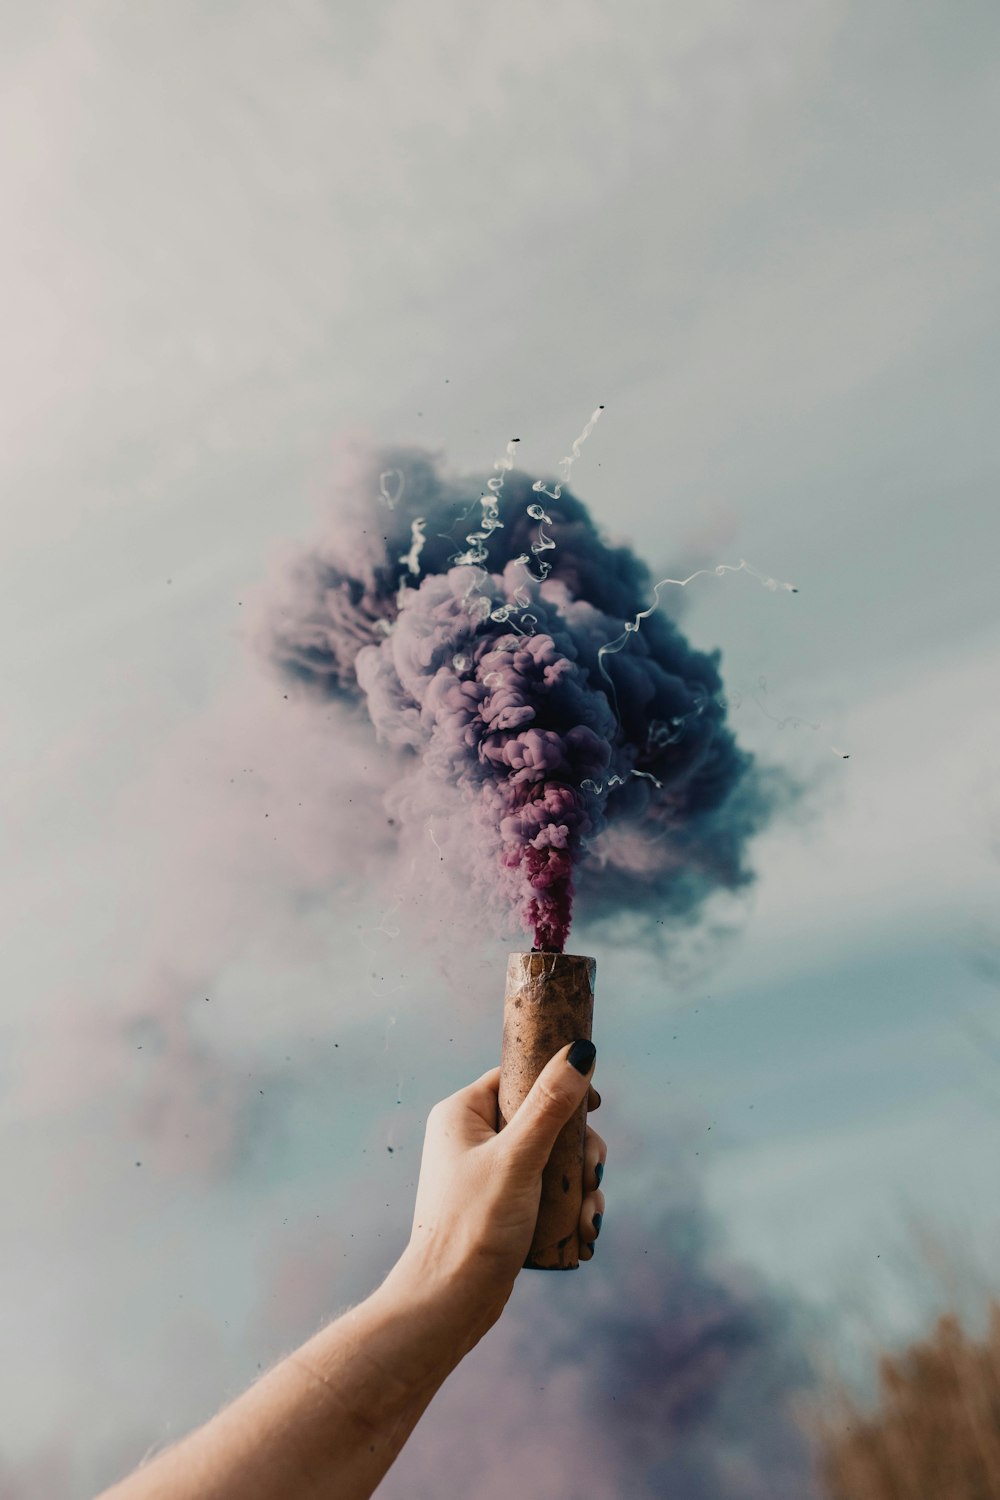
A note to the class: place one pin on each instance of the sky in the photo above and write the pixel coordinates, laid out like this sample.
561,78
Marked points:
238,239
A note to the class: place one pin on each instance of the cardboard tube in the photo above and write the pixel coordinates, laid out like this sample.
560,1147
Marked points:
548,1002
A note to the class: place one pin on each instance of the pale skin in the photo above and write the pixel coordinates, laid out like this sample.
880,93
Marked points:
330,1418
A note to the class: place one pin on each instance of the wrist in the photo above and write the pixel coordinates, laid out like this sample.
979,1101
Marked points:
452,1301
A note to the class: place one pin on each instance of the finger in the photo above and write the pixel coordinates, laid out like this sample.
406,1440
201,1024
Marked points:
591,1215
555,1094
482,1095
595,1151
478,1098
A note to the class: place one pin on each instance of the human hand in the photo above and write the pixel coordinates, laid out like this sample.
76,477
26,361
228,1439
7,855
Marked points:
479,1189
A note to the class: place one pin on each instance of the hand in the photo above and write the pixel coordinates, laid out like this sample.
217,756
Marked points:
479,1190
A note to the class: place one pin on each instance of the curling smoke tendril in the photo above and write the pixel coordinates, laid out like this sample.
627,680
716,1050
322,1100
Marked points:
543,759
417,539
390,486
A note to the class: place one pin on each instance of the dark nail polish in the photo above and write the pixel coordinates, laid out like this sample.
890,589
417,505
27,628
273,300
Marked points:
599,1169
598,1220
581,1055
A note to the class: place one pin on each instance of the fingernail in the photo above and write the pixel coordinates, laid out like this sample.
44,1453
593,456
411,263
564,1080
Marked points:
599,1169
581,1055
598,1221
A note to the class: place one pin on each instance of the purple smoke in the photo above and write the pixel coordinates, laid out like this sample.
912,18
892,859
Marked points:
473,625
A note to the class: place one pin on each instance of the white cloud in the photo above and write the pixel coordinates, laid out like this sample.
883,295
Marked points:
898,841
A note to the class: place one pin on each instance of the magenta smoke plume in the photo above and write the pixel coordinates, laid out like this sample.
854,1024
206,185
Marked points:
473,618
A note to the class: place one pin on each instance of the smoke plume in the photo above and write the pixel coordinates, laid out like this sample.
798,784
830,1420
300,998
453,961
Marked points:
537,740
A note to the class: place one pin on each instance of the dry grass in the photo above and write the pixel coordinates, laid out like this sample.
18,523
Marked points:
935,1431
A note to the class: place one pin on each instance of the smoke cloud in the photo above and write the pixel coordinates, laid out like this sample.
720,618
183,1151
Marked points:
538,740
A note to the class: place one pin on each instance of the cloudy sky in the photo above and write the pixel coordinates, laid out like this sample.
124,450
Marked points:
236,238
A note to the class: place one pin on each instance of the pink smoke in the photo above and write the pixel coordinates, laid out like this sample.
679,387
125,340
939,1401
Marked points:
488,673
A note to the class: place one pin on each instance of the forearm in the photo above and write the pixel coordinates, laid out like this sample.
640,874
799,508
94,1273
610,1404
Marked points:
330,1419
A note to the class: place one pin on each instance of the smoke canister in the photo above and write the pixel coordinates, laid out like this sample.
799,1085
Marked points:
548,1003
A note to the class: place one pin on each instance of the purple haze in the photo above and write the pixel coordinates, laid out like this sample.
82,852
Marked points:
469,621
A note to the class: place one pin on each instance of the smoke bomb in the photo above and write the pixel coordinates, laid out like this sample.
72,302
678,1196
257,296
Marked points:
548,1003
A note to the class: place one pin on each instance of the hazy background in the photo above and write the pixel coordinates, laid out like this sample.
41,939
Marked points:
767,237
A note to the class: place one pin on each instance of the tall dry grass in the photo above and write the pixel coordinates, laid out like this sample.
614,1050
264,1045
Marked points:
935,1431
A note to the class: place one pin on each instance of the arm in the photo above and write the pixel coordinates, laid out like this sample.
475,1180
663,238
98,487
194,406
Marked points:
330,1418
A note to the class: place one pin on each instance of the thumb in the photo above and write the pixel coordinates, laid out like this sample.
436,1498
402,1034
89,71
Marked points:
552,1100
